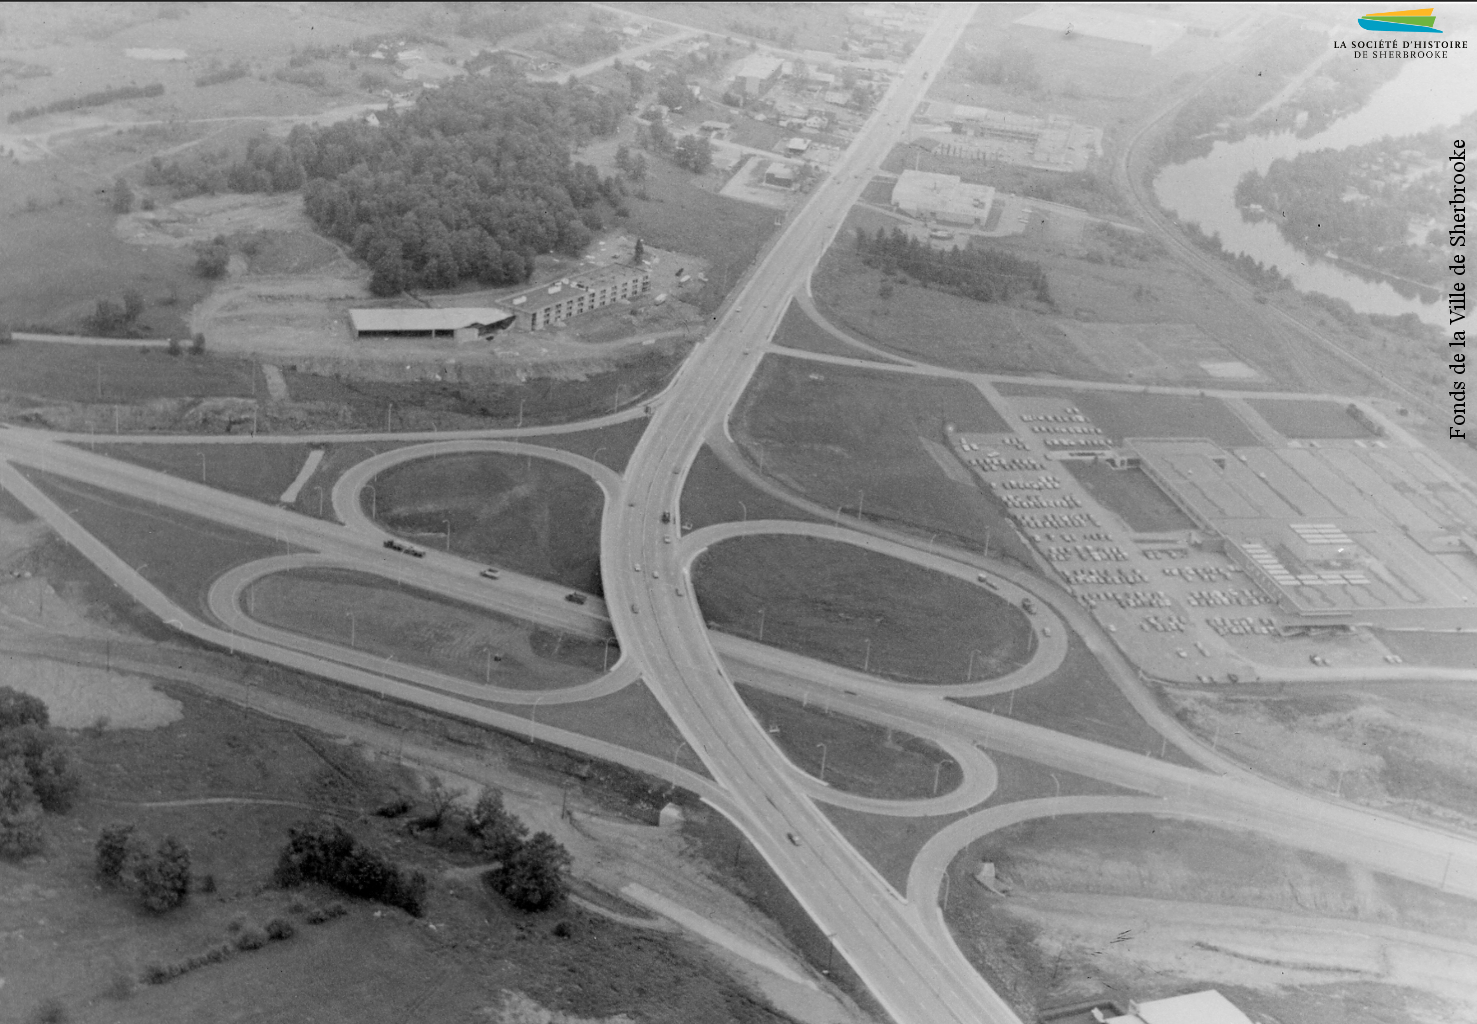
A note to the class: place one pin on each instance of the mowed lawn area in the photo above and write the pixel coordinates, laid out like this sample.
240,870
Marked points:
108,374
1309,420
860,757
798,330
343,606
1130,493
1081,699
527,514
260,471
855,608
179,553
714,493
853,438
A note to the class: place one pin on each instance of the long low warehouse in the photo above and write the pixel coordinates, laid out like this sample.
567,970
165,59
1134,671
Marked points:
461,324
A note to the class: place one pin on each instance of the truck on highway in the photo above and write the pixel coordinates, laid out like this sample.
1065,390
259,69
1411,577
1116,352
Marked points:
666,517
1028,606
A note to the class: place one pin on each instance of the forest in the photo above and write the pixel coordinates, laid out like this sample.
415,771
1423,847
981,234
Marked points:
980,274
469,184
91,99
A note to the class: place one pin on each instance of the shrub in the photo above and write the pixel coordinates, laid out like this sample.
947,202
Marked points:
212,259
280,929
52,1011
114,845
251,937
17,708
532,878
495,832
50,772
197,344
320,914
163,880
326,852
207,884
393,808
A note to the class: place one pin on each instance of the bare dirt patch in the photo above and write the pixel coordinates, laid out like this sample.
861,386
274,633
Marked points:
78,697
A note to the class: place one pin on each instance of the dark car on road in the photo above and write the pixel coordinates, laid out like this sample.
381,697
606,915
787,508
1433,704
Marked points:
575,598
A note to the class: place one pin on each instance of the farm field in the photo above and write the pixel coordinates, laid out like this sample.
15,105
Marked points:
855,608
1308,419
890,843
373,615
798,330
529,515
1080,699
179,553
714,493
861,757
1195,906
934,326
1130,494
114,375
87,946
843,436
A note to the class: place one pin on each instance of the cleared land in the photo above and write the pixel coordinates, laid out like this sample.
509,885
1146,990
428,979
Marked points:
1404,747
1309,419
713,493
1130,494
530,515
798,330
890,843
179,553
1080,699
419,628
860,757
855,608
845,437
1156,907
934,326
110,374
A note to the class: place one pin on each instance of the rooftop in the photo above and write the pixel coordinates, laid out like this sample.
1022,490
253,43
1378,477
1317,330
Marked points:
376,321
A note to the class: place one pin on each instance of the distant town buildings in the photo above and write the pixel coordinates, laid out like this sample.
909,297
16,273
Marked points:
942,197
552,304
753,75
461,325
1054,143
1097,28
779,174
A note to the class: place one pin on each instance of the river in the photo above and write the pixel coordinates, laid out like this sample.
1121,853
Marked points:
1426,94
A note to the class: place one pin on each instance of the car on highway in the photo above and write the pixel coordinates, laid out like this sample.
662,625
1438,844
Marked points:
636,566
655,575
666,540
413,551
492,572
679,591
394,545
574,597
793,838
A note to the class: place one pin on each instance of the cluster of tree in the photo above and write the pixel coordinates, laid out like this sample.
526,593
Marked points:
159,878
36,774
122,199
631,165
691,152
392,41
1213,111
1010,67
1261,275
213,257
588,44
471,183
1359,203
91,99
674,92
229,73
111,318
302,57
981,274
308,78
325,852
497,21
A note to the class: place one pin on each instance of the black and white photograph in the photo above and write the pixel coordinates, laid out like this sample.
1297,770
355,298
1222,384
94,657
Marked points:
737,513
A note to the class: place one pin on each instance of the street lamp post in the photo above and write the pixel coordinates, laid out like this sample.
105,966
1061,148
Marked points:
373,501
987,542
946,891
605,662
520,412
969,673
745,509
320,502
388,409
202,467
823,760
533,716
761,625
448,533
860,495
351,628
487,672
675,751
867,656
936,770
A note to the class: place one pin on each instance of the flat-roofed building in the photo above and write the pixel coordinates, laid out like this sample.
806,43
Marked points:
942,197
570,297
460,324
1208,1007
756,73
1097,28
779,174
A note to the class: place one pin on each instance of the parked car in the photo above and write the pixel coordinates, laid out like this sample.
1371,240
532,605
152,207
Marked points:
491,572
575,598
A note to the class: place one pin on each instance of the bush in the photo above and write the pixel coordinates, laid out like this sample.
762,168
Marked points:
212,259
163,880
17,708
532,878
197,344
280,929
320,914
251,937
325,852
49,770
114,845
495,833
52,1011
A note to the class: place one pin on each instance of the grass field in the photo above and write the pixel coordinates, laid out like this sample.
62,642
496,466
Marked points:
1143,414
934,326
798,330
260,471
855,608
611,446
1305,419
843,437
419,628
861,757
106,374
179,553
682,217
713,493
530,515
1130,493
1438,650
372,965
1080,699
